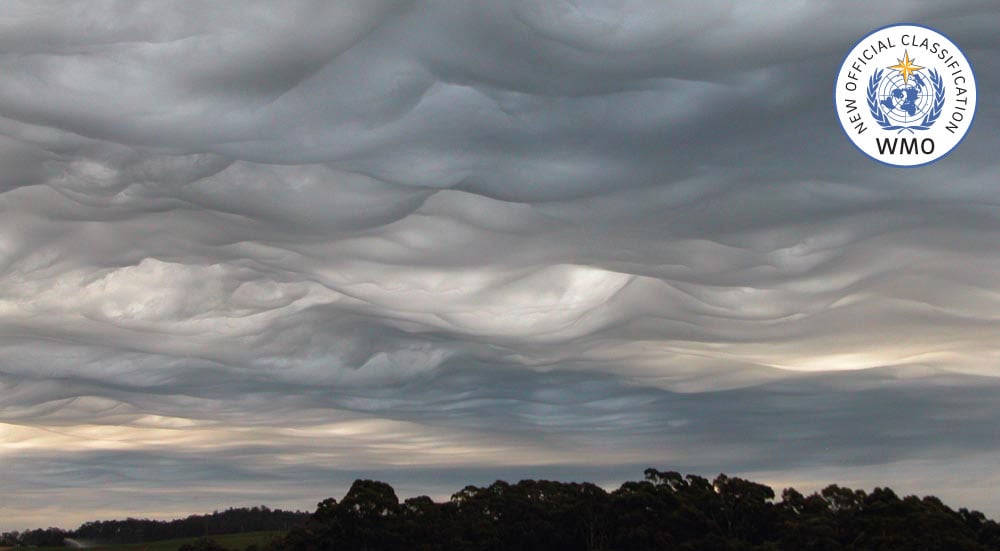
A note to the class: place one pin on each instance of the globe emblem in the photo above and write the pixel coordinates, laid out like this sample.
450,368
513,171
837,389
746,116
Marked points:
902,110
905,102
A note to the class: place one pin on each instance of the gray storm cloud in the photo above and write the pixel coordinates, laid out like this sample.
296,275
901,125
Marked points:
249,250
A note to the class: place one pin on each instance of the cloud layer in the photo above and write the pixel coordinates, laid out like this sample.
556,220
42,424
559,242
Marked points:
249,254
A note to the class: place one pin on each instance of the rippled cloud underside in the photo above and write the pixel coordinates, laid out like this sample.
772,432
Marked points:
250,252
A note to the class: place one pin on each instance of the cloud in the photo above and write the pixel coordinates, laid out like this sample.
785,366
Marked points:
267,250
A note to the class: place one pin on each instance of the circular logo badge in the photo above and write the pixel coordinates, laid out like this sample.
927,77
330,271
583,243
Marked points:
906,95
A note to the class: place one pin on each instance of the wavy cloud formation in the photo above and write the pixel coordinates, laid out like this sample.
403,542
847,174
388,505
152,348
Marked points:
247,255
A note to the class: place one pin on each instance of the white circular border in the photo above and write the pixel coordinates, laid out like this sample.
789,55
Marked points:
944,141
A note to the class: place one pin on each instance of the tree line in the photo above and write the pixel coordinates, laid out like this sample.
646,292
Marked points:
663,511
41,537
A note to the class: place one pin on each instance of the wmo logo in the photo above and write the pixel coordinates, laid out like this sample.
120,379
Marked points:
906,95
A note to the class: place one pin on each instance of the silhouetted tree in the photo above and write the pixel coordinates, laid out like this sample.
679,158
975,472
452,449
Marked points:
664,511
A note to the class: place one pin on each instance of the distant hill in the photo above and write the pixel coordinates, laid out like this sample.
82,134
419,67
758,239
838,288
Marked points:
134,530
231,542
230,521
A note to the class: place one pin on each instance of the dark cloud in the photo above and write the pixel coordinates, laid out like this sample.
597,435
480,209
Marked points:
257,252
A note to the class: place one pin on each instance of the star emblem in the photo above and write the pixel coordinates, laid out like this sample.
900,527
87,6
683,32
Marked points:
906,66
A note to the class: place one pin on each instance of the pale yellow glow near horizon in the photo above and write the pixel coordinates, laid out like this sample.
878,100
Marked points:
351,443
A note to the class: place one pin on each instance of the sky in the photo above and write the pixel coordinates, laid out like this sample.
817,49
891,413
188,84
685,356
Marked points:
251,251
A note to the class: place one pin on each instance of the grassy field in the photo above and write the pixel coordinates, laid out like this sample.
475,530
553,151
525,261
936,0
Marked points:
237,542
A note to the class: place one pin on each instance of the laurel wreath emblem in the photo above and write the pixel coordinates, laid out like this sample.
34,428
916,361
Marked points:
883,120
